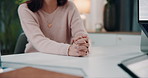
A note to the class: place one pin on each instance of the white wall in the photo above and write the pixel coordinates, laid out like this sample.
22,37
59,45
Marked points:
96,14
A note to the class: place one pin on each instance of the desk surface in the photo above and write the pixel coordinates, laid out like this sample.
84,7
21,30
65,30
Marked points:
102,61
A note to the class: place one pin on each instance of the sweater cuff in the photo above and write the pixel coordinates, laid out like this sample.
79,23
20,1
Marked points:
64,49
81,33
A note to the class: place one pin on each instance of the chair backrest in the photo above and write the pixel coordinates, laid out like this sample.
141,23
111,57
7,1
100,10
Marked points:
21,44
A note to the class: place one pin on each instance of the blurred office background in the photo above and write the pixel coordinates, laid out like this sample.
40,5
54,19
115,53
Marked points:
99,16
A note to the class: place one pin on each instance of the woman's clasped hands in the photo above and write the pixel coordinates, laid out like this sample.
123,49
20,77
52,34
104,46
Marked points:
79,47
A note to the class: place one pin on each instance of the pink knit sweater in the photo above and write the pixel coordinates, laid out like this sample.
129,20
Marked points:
66,24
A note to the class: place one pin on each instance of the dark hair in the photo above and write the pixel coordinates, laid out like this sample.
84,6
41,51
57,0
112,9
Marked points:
35,5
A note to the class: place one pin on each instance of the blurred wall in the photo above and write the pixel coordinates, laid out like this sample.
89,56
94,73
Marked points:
96,15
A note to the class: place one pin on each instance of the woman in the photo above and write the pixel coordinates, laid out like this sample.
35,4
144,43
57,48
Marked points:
53,26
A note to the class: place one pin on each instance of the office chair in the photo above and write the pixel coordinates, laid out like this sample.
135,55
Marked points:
21,44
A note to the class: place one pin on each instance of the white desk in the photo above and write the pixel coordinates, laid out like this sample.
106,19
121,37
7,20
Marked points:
102,62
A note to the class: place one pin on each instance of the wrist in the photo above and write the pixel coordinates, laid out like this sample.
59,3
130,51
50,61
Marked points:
68,53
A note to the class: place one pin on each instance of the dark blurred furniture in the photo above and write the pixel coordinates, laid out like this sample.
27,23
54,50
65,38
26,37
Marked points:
21,44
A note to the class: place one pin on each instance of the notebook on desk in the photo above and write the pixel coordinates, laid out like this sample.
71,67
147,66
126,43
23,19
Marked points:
136,67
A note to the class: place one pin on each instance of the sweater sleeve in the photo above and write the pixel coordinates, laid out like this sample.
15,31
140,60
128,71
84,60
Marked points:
31,28
76,23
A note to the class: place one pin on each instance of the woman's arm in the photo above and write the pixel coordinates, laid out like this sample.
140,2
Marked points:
78,32
76,23
31,27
